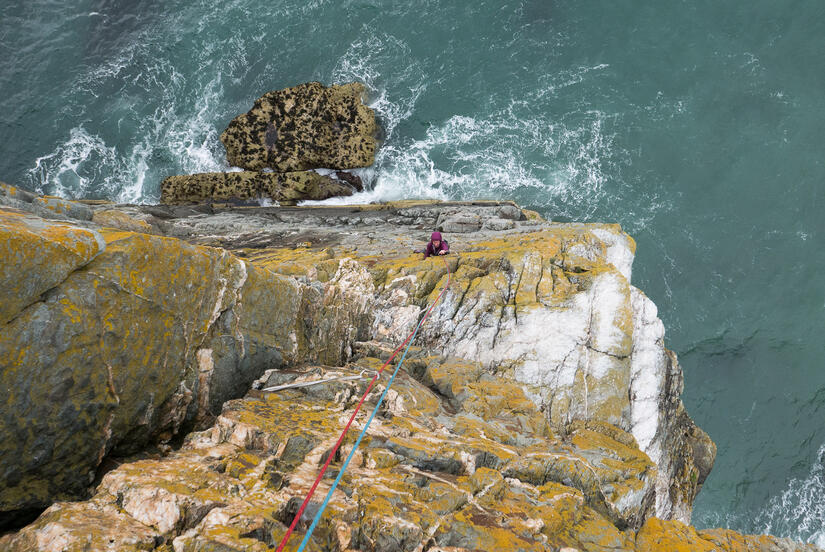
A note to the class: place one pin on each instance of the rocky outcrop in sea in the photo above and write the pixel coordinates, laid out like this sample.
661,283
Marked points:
280,143
175,374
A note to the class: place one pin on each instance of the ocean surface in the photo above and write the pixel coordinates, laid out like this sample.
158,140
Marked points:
698,125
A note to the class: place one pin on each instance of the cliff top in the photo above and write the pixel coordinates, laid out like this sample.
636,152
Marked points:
540,406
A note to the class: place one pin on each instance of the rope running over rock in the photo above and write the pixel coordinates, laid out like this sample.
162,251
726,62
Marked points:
407,342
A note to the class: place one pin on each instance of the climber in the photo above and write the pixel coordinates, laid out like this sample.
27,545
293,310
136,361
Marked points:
436,246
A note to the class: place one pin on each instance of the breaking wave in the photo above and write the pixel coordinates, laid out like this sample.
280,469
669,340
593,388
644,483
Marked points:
520,151
799,511
521,148
150,121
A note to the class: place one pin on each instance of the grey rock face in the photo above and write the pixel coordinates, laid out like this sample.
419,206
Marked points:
116,340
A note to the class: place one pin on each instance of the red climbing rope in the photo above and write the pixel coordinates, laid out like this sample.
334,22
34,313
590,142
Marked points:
357,408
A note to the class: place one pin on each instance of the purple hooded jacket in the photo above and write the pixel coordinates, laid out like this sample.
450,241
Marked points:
432,250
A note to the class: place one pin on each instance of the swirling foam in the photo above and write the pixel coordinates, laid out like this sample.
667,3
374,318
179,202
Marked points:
134,148
76,167
516,152
799,511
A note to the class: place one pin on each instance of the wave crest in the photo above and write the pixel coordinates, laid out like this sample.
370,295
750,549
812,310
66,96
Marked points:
798,512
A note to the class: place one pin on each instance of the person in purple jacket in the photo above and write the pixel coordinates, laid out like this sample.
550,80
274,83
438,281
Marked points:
436,246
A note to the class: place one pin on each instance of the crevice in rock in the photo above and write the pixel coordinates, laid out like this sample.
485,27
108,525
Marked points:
44,296
606,353
514,294
467,327
498,324
461,299
14,520
541,276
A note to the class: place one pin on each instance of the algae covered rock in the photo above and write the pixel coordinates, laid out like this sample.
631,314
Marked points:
308,126
285,188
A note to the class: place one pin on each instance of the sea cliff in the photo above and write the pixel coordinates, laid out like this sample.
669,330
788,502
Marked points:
175,374
538,409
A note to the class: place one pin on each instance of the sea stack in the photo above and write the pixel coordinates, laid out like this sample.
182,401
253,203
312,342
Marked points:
280,141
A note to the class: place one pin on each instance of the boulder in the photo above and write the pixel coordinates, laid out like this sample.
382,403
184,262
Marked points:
352,179
48,207
64,208
460,224
308,126
286,188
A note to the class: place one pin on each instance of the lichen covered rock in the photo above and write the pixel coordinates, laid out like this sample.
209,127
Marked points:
49,207
308,126
78,527
554,309
422,476
658,535
425,477
113,218
112,339
541,411
550,306
38,255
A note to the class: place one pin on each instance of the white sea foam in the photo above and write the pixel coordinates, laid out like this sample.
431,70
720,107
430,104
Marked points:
194,139
494,156
799,511
134,150
517,149
361,63
75,167
86,165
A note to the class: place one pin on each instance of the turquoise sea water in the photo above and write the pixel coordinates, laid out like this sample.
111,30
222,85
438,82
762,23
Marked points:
699,126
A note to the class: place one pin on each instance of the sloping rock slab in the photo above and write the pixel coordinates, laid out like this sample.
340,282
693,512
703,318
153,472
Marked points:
37,255
286,188
110,340
307,126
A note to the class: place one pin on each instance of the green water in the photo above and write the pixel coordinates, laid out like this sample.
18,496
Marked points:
696,125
